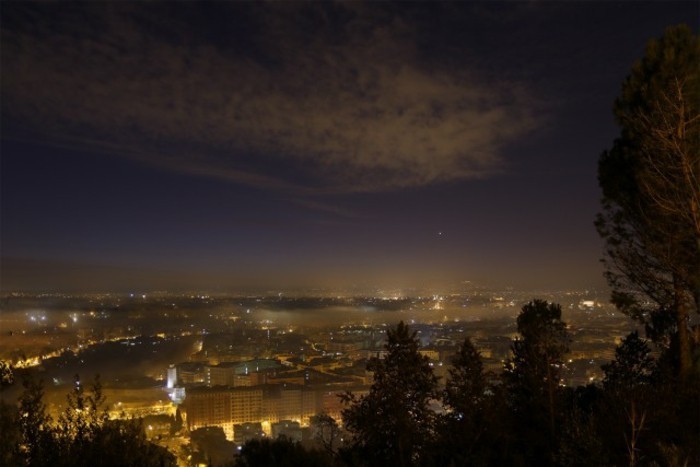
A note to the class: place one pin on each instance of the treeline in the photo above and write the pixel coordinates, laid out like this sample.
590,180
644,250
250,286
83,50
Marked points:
83,435
641,414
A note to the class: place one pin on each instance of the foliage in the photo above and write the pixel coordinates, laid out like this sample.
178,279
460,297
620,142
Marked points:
37,435
281,452
532,373
7,376
650,180
580,443
326,432
210,446
626,408
83,418
532,376
120,443
466,430
394,424
465,389
633,365
82,436
10,454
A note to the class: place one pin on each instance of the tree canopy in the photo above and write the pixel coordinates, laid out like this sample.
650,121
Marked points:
532,377
82,436
650,180
393,424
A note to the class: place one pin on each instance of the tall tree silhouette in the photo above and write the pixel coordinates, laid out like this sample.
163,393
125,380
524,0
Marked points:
650,180
628,401
464,431
38,438
632,367
532,376
393,424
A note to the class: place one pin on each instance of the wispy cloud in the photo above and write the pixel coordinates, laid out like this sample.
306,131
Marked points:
342,103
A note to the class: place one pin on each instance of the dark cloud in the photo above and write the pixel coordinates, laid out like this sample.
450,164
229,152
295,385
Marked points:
297,97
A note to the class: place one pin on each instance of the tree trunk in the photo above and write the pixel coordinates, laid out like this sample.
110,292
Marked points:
684,344
550,389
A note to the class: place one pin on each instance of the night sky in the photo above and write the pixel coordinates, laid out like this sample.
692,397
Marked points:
218,145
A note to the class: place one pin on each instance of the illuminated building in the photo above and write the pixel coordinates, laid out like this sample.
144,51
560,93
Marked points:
246,404
290,402
249,373
189,373
223,374
172,377
210,407
229,406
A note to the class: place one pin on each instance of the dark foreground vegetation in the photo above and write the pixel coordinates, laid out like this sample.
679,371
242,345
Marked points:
83,435
642,414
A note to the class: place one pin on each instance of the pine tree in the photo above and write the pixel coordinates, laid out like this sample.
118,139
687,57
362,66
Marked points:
39,444
465,427
651,194
532,378
394,424
632,367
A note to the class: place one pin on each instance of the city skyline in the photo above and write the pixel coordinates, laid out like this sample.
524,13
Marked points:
221,145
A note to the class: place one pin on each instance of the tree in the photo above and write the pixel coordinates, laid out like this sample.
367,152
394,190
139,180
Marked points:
465,387
87,437
10,453
650,180
121,443
628,391
38,438
393,424
280,452
465,425
83,436
210,446
580,442
633,365
84,414
7,376
531,377
326,432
